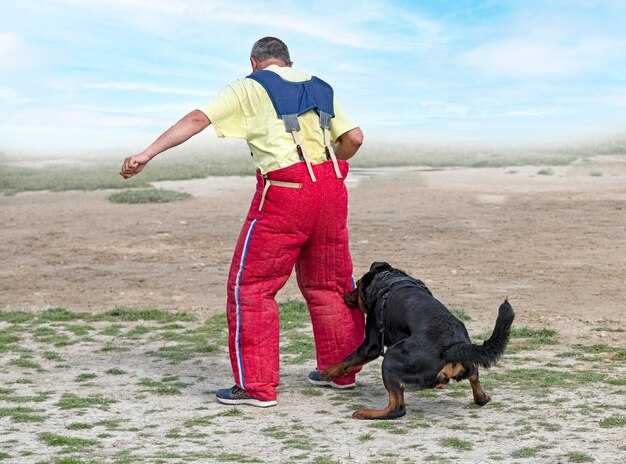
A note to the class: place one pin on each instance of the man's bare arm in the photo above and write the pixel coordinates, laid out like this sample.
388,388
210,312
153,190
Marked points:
194,122
349,144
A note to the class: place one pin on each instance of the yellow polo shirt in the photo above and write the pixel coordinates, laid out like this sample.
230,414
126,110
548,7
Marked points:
243,109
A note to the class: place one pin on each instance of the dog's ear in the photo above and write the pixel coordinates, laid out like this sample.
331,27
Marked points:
379,266
366,280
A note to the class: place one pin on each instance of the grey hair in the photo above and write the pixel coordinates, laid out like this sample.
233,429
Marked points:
270,47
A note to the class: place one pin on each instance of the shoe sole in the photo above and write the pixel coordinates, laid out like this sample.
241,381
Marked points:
324,383
249,402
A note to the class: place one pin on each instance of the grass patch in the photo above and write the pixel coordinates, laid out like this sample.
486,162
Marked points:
61,314
234,411
26,364
71,401
79,426
115,371
53,439
293,315
528,332
531,338
85,376
613,421
206,420
159,388
456,443
6,396
78,330
52,337
526,452
235,457
311,390
300,347
16,317
7,336
52,356
460,314
22,414
111,331
275,432
215,328
545,172
150,195
578,457
184,351
127,314
138,331
389,426
325,460
597,348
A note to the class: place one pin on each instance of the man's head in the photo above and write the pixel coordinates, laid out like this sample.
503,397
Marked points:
267,51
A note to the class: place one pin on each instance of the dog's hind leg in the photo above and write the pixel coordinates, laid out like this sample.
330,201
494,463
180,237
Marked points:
394,409
480,397
397,359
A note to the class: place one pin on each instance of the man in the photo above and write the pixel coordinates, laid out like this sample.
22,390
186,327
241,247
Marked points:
297,216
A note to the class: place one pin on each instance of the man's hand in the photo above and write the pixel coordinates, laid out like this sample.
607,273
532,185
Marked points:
133,165
180,132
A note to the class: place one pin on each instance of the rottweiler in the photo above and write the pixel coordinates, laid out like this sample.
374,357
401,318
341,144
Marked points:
426,344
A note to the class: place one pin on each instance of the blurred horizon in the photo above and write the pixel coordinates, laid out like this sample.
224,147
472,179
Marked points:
108,76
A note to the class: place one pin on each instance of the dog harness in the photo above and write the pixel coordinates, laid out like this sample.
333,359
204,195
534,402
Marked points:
291,99
379,291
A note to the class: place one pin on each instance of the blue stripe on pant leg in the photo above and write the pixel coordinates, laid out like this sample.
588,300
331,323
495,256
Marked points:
242,264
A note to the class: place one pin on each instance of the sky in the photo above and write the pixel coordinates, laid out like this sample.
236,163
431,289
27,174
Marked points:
103,76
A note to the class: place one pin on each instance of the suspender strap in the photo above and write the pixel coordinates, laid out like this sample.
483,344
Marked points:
277,183
302,153
330,153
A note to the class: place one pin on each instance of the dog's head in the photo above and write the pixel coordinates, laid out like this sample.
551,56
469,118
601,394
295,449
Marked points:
356,298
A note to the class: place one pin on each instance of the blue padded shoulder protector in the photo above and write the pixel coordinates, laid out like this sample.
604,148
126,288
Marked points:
296,98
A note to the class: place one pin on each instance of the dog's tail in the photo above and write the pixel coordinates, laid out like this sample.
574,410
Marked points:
487,354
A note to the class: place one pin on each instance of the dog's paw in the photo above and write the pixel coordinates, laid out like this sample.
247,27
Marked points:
331,373
360,414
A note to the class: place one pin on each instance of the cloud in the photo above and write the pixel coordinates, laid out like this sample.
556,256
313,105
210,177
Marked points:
12,51
539,56
144,87
445,108
9,43
378,25
66,120
9,95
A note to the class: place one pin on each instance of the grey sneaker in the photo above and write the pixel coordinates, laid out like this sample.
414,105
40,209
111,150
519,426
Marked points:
315,377
236,395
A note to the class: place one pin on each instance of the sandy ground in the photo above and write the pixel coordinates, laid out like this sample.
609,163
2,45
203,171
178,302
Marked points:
554,244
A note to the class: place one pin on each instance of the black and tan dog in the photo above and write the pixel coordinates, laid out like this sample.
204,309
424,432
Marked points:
427,345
